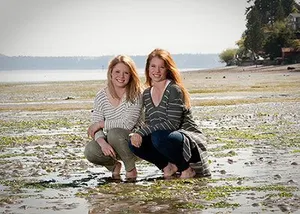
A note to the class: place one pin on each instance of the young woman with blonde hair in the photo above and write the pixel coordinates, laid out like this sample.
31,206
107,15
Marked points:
116,112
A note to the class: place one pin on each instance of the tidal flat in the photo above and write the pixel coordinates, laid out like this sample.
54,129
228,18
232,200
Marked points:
250,116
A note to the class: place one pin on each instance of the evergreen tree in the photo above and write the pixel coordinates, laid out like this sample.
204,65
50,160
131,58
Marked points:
287,6
266,29
253,34
279,36
279,13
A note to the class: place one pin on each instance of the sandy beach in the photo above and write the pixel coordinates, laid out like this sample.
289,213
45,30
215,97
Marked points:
250,116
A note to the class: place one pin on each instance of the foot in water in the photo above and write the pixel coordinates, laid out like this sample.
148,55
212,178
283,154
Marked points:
116,171
188,173
131,174
170,170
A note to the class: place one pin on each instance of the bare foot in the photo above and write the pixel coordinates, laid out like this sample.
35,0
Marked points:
188,173
117,170
169,170
131,174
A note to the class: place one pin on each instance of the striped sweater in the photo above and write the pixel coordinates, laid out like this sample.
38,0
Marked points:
171,114
125,116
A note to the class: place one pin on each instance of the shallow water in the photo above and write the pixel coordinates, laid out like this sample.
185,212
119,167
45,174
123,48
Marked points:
254,151
253,148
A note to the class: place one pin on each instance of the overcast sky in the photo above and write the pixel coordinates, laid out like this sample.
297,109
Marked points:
134,27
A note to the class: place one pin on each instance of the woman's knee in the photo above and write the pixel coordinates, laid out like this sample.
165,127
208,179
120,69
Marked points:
91,151
158,137
117,135
175,136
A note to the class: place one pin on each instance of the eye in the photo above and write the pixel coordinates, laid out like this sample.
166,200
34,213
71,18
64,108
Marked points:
127,73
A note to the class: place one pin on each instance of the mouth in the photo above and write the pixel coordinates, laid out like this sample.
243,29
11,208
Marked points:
157,75
120,80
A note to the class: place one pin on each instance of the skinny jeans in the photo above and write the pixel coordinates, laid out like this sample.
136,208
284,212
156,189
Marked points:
118,138
162,147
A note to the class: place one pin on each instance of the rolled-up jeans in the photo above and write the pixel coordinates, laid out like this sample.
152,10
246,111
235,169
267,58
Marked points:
118,139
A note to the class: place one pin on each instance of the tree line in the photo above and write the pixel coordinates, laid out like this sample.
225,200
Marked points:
268,30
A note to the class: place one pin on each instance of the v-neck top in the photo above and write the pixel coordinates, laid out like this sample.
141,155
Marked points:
171,114
151,90
126,115
167,115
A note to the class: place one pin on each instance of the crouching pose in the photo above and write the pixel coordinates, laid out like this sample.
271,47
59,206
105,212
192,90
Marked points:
116,112
170,138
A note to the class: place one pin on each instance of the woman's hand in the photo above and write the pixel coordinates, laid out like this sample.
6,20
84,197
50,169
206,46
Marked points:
136,140
106,148
94,128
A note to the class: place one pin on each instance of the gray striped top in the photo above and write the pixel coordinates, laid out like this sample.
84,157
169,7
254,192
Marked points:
125,116
171,114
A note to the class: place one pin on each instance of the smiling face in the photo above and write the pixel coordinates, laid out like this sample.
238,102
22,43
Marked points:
157,70
120,75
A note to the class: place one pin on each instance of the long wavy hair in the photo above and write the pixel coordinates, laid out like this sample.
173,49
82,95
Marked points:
133,88
172,72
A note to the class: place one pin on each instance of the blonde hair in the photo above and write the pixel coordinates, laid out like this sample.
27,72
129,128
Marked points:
133,88
172,72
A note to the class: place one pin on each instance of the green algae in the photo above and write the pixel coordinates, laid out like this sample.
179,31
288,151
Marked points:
15,155
245,134
201,195
40,124
230,145
222,154
13,140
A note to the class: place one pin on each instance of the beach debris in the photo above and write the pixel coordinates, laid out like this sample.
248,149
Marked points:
291,68
69,98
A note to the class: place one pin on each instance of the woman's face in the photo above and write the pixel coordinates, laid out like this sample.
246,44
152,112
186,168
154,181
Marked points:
120,75
157,70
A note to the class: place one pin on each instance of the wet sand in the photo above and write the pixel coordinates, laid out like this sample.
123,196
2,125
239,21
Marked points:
249,114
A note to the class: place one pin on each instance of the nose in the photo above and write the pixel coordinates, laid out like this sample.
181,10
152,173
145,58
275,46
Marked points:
156,69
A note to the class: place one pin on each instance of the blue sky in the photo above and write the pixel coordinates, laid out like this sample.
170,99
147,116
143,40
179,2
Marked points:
134,27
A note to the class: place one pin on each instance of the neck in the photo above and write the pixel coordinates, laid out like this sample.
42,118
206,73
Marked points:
160,85
120,92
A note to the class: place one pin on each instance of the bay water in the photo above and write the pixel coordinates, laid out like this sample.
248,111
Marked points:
14,76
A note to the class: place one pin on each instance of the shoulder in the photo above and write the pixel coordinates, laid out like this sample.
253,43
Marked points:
146,91
136,101
102,91
101,94
174,89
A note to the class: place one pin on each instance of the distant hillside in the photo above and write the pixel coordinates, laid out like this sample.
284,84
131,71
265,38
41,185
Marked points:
52,63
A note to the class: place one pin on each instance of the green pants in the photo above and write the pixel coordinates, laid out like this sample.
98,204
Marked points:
118,139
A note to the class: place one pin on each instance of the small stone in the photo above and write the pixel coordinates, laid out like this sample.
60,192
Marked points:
291,182
230,161
284,207
223,172
277,176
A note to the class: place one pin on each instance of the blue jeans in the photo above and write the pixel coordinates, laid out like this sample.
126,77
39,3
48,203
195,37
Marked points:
162,147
